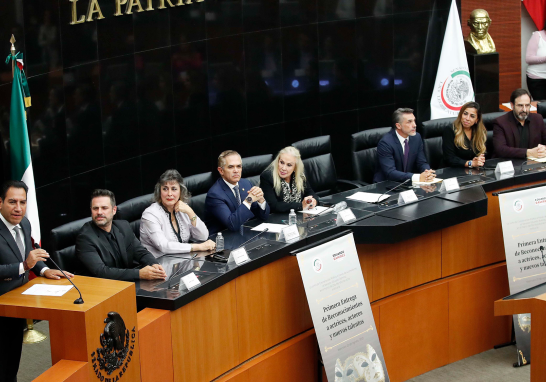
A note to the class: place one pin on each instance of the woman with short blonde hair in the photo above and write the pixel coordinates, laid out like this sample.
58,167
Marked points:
284,184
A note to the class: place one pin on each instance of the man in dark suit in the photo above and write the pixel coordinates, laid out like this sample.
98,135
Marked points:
518,133
400,153
231,201
17,258
108,248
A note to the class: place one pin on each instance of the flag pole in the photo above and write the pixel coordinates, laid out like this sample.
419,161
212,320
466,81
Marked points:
31,335
12,40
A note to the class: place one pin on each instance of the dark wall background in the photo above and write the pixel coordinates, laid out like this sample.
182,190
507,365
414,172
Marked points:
118,101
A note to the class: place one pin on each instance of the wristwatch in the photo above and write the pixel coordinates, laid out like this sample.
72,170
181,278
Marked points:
194,218
469,164
249,199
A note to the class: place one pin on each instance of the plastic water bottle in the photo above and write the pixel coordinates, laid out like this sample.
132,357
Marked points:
340,206
292,219
219,242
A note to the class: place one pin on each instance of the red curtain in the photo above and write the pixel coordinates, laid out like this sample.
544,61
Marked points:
537,10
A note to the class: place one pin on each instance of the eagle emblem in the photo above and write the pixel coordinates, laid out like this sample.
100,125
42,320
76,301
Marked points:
114,343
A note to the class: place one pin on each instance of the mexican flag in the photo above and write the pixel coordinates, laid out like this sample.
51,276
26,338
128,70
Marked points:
453,87
21,163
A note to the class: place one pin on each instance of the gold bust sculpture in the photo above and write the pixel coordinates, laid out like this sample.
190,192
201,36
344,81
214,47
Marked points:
479,40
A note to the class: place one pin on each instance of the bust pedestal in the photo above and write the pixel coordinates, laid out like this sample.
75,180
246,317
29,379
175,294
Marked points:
484,73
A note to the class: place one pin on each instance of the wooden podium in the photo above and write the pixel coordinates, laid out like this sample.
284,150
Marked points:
537,307
75,330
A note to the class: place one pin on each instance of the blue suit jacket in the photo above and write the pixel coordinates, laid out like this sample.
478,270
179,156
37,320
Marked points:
390,158
222,210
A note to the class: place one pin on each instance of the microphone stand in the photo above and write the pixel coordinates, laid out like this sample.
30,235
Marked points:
392,189
252,238
78,300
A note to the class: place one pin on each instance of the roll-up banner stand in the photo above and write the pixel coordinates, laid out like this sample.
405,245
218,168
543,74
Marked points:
523,217
341,310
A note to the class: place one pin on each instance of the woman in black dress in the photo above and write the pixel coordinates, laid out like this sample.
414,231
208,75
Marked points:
463,143
284,184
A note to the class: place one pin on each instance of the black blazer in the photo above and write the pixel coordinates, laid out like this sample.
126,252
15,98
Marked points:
10,258
93,250
456,156
390,158
276,201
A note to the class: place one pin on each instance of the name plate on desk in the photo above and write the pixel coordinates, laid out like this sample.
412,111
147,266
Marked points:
451,184
239,255
407,197
191,281
290,233
504,167
345,216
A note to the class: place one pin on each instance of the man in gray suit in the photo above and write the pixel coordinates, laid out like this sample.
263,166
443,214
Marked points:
17,258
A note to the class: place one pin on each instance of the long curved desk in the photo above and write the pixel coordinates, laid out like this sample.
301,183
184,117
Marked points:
432,269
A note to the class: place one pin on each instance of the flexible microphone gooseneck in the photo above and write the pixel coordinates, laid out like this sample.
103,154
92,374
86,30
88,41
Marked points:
78,300
252,238
392,189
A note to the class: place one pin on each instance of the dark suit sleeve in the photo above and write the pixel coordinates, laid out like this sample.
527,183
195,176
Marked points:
140,253
502,150
266,184
385,155
232,220
448,147
88,254
421,160
9,270
258,212
542,132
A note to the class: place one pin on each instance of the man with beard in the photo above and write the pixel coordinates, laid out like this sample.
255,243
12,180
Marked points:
518,133
108,249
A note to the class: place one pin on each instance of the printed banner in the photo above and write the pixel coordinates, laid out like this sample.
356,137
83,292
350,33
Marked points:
341,312
523,216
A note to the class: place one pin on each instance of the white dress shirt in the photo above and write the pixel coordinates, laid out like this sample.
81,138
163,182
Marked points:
247,204
157,234
11,229
414,177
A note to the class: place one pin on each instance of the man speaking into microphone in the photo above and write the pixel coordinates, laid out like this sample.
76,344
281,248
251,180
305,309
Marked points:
17,258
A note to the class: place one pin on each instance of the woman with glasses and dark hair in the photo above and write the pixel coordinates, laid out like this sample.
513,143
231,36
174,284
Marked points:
169,223
463,143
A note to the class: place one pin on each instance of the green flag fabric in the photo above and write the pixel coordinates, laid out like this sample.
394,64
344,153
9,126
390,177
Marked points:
21,162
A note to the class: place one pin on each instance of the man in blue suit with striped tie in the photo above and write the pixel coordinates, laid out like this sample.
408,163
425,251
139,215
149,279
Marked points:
231,201
400,153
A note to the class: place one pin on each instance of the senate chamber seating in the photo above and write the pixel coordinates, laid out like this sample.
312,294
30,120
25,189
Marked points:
320,169
364,153
254,166
63,246
431,132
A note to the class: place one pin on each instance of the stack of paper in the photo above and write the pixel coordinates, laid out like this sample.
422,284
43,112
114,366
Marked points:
367,197
47,290
436,180
541,160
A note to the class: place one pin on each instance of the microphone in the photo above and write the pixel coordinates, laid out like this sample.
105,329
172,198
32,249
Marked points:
78,300
252,238
392,189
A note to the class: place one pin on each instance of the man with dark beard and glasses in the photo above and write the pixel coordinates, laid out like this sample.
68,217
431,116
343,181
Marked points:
108,249
518,133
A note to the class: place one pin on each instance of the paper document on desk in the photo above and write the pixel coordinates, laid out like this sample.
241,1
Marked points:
507,104
541,160
314,211
47,290
273,228
367,197
436,180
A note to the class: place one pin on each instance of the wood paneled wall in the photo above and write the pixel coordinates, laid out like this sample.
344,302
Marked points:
506,33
